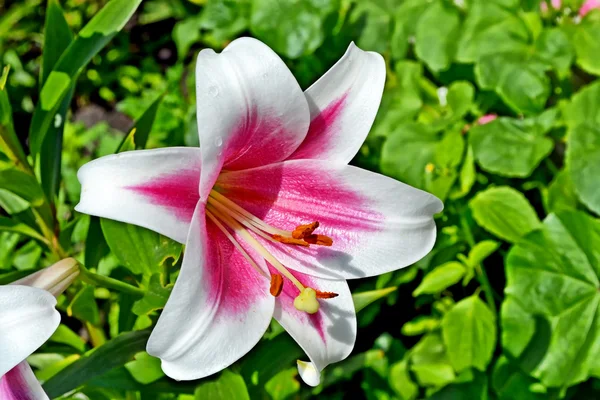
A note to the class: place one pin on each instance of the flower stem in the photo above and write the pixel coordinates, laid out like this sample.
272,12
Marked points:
481,274
110,283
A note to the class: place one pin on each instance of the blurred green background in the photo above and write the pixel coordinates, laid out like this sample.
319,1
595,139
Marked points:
492,105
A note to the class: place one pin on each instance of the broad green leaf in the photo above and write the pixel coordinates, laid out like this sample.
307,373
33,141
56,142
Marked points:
441,278
587,46
12,225
65,335
84,306
276,22
223,20
553,46
584,107
155,298
583,163
138,136
429,361
284,384
470,384
374,20
460,98
420,325
466,176
469,332
96,247
145,369
504,212
511,383
510,147
140,250
522,84
227,385
363,299
406,19
96,362
23,185
561,193
550,317
436,35
490,28
11,203
481,251
401,382
185,34
91,39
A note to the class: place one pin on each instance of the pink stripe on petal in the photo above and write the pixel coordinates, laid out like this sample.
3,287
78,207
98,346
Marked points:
21,384
177,192
322,131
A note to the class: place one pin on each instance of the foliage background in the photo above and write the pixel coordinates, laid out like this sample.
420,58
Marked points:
506,305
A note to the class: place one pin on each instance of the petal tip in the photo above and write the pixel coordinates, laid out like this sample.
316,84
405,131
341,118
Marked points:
309,373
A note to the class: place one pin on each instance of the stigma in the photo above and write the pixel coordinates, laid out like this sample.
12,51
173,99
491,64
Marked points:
230,218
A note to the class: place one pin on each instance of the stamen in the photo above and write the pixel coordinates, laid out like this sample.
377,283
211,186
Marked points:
235,243
302,231
233,224
320,240
307,301
326,295
276,285
289,240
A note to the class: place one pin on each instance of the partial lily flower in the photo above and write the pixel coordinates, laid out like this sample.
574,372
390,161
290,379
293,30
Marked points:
273,217
28,318
588,6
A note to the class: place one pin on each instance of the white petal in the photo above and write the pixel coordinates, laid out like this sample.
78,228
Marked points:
327,336
21,384
219,309
27,319
377,223
251,110
343,105
156,189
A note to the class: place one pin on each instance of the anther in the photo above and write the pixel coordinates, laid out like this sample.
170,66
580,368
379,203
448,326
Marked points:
326,295
302,231
320,240
289,240
276,285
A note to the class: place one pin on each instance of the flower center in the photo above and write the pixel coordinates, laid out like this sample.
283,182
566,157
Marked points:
228,216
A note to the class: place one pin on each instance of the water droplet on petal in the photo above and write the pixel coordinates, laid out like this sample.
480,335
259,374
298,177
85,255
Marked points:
218,142
213,91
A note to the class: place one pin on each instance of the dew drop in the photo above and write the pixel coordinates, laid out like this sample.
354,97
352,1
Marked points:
213,91
57,120
218,142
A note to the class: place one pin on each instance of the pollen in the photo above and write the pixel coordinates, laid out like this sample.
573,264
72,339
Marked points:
326,295
276,285
302,231
307,301
290,240
320,240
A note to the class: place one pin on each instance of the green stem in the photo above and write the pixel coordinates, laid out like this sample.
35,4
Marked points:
110,283
481,274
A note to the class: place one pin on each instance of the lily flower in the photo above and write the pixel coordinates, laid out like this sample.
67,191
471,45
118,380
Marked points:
27,319
273,217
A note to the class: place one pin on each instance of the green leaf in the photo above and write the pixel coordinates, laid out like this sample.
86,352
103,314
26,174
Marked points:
228,385
584,107
436,34
145,369
583,164
481,251
96,247
9,142
440,278
140,250
284,384
66,336
522,84
504,212
154,299
23,185
401,382
429,361
91,39
84,307
11,225
511,383
561,193
407,16
276,22
553,46
468,385
95,363
138,136
587,45
420,325
469,332
550,317
510,147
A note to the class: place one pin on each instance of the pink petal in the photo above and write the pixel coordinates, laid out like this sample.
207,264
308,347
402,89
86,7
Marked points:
251,111
377,224
156,189
343,105
217,296
588,6
21,384
327,336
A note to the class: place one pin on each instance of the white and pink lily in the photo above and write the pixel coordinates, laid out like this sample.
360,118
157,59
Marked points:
27,319
273,217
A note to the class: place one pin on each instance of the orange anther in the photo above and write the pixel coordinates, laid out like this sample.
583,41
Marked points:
302,231
289,240
326,295
276,285
320,240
